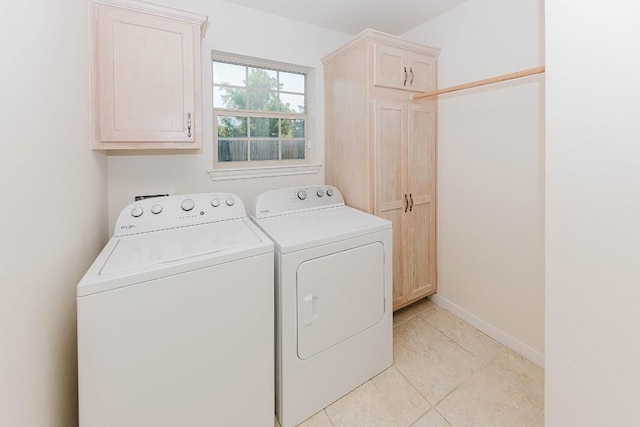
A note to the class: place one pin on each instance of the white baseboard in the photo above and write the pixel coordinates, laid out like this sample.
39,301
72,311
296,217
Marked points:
495,333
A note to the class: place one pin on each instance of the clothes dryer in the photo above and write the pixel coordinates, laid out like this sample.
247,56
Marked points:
333,269
175,318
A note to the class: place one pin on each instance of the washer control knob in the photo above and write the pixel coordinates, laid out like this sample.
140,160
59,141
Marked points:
329,192
156,209
215,202
230,201
187,205
320,193
136,211
302,194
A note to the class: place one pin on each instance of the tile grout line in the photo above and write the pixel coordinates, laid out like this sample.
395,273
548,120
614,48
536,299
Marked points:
431,305
413,317
448,337
431,406
473,371
452,339
328,416
434,405
442,415
484,365
513,383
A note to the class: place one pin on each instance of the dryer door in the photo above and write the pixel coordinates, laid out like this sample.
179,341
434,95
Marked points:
338,296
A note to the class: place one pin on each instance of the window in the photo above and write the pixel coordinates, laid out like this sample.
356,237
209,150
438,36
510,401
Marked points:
259,112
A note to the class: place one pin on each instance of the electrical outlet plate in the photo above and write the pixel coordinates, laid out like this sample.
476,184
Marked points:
135,195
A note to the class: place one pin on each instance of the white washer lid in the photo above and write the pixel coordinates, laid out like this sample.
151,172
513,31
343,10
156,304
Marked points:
177,243
132,259
303,230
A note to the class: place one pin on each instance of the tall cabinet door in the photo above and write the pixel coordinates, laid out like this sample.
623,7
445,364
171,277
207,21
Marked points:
146,70
420,242
390,130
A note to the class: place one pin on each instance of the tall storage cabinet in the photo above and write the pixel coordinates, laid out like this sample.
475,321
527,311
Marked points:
380,147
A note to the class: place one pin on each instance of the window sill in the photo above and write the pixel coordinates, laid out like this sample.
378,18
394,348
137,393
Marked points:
262,172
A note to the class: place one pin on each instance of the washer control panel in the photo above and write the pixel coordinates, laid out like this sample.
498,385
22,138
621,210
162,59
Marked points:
161,213
295,199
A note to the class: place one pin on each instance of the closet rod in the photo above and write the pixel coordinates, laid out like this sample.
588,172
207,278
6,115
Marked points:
497,79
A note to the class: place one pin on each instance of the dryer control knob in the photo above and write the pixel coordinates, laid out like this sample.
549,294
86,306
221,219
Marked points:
329,192
187,205
137,211
320,193
215,202
156,209
302,194
230,201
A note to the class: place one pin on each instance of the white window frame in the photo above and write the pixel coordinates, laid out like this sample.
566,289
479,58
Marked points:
255,169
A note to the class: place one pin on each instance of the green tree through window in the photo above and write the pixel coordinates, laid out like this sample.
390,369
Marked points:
274,130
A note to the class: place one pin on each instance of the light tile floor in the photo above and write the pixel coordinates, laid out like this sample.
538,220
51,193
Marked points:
445,373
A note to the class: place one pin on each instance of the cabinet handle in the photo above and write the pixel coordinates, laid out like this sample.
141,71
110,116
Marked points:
189,124
406,203
405,77
411,206
411,71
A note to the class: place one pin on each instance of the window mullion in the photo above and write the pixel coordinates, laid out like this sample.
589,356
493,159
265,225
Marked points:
249,136
278,95
279,139
255,113
246,88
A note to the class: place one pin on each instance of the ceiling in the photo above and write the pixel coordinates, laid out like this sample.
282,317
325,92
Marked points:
353,16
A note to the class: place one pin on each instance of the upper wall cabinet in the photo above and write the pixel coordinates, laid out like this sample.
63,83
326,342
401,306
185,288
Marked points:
147,84
403,65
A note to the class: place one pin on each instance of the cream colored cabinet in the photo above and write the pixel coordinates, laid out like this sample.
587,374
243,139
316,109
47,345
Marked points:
405,164
380,152
402,68
147,88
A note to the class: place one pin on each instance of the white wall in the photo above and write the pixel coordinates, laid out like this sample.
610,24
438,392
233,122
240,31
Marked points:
491,168
243,31
53,218
593,213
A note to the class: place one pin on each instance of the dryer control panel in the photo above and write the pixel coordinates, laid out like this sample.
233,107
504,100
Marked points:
296,199
161,213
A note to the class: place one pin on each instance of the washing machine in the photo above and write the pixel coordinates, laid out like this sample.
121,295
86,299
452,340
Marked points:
333,271
175,318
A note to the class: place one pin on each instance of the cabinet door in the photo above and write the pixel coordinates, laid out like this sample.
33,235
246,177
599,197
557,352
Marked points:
390,67
145,77
390,130
403,69
420,242
422,72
